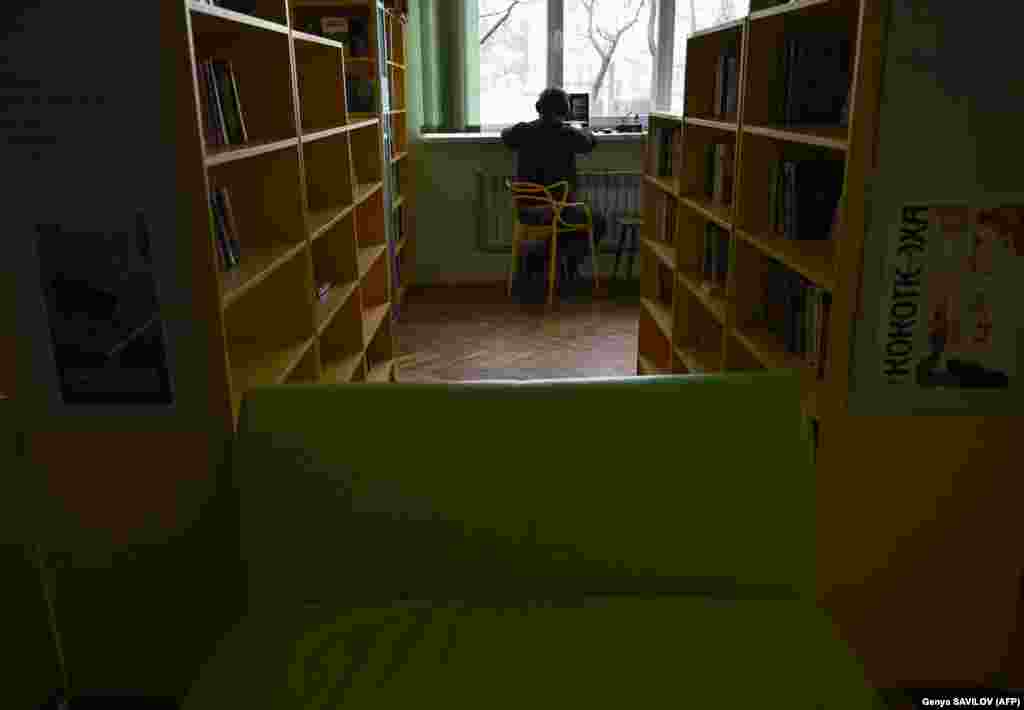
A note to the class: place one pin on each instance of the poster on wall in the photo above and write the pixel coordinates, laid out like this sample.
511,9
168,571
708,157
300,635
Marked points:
950,322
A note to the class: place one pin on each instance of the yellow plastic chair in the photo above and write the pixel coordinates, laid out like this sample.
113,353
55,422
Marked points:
530,194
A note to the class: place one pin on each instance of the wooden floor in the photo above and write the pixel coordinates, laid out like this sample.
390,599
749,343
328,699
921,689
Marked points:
477,333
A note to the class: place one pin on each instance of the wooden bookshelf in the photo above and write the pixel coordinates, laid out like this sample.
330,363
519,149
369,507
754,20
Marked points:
302,189
401,192
722,326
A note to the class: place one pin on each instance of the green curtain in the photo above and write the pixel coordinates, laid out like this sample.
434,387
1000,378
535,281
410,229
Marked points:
450,52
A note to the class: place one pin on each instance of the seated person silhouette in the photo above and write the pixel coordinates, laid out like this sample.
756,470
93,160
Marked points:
546,152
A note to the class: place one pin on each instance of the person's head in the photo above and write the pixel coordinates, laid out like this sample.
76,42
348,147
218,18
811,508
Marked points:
553,105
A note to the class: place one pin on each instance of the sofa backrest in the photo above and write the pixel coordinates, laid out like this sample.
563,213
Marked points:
353,493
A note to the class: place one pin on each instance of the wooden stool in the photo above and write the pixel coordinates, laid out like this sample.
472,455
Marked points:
629,226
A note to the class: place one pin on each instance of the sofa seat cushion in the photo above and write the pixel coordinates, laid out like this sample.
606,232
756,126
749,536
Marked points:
614,652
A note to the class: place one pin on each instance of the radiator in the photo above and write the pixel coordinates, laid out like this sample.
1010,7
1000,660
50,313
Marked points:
611,193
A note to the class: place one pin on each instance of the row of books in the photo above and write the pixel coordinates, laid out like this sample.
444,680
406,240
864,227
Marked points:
360,94
716,255
718,173
398,224
223,118
727,82
665,221
803,198
798,312
666,142
225,229
816,74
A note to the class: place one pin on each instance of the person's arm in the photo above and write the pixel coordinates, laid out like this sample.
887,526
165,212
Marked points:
583,141
513,136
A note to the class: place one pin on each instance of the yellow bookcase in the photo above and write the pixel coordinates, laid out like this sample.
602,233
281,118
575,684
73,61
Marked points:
307,190
690,324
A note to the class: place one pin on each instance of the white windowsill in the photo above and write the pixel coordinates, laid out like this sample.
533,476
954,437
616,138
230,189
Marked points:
495,137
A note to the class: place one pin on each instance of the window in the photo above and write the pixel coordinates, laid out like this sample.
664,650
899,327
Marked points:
609,49
513,59
692,16
607,54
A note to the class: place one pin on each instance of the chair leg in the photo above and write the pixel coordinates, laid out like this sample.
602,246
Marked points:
513,268
593,257
632,251
618,250
553,271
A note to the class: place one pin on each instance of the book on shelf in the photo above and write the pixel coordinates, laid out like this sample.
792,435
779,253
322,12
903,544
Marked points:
715,268
718,178
227,88
360,94
220,236
797,311
726,88
336,28
225,229
804,198
668,231
215,133
224,121
816,75
223,197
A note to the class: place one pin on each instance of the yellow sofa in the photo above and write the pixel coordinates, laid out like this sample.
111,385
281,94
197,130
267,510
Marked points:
572,543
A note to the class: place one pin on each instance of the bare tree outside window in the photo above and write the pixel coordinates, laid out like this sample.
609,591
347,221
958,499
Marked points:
607,54
610,48
513,59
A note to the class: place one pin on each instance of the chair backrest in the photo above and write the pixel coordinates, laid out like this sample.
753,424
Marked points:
540,205
342,501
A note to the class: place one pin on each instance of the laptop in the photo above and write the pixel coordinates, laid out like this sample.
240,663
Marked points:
579,110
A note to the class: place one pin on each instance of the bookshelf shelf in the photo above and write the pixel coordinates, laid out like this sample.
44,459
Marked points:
316,39
649,368
767,348
342,370
796,7
325,311
256,265
321,221
672,118
228,154
368,256
710,295
715,123
312,136
212,18
698,361
663,251
810,259
719,214
668,185
381,372
396,65
264,365
359,123
833,137
718,29
661,315
372,320
365,190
